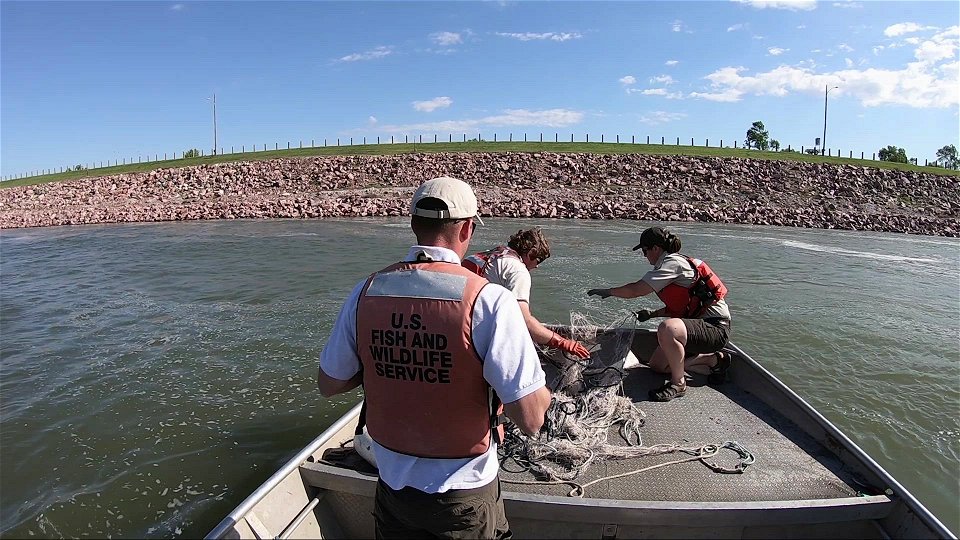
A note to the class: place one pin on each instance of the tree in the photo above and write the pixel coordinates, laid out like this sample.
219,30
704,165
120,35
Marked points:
775,145
947,157
894,154
191,153
757,137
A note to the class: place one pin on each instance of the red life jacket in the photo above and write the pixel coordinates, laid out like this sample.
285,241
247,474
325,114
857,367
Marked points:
479,263
422,377
692,302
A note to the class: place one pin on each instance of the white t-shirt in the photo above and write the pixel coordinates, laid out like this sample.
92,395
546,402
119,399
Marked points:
512,274
511,366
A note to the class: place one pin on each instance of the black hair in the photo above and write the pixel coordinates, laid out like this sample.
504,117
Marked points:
658,236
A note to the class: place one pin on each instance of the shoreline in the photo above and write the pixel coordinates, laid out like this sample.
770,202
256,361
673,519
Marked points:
532,185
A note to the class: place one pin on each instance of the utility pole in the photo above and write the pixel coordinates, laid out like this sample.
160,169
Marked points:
826,91
215,124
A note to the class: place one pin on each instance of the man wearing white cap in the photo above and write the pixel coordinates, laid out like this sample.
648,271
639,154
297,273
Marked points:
441,353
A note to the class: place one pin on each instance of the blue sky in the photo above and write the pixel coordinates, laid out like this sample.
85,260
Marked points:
86,82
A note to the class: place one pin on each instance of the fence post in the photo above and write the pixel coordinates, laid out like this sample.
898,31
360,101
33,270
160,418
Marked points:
364,140
434,138
556,137
601,137
351,141
874,156
510,137
734,143
338,141
633,139
391,140
571,137
406,139
861,155
648,139
691,142
464,137
324,142
708,143
587,139
311,143
618,138
494,136
662,139
421,138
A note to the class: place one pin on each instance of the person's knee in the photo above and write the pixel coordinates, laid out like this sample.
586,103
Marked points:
670,330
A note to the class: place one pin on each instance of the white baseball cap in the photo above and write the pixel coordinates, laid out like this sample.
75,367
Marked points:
457,195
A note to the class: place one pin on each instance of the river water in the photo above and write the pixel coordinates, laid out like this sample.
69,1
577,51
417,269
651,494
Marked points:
153,375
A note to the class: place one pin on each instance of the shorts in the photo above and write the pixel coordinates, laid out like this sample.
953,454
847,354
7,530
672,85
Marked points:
460,513
706,335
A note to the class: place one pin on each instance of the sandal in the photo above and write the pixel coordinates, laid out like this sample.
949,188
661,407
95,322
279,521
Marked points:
668,391
718,373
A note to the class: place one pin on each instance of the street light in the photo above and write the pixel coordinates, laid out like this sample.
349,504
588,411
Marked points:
214,124
826,91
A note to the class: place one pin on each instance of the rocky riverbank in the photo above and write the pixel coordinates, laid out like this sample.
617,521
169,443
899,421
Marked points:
544,185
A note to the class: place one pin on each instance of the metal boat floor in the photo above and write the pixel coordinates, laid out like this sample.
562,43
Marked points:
790,465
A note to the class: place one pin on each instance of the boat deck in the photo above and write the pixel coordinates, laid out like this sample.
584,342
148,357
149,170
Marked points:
790,465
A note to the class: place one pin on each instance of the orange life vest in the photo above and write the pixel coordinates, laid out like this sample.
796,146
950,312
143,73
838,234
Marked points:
692,302
479,263
422,377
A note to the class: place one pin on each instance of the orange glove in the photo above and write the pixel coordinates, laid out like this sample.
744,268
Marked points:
573,347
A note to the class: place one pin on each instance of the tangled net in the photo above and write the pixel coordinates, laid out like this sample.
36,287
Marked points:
587,402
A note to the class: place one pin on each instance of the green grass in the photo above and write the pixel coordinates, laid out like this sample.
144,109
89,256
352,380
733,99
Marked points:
472,147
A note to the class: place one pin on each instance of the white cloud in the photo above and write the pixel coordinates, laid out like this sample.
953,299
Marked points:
678,26
848,62
661,117
942,46
663,79
738,26
446,39
917,85
848,5
792,5
553,118
441,102
845,48
177,7
905,28
372,120
628,80
656,92
671,62
801,26
876,50
533,36
374,54
776,51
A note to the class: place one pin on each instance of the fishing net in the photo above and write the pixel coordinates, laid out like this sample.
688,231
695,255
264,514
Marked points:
587,402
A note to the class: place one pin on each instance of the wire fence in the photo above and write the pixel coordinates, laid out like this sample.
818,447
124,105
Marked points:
435,138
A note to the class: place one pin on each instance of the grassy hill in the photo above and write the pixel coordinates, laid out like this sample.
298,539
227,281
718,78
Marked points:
474,147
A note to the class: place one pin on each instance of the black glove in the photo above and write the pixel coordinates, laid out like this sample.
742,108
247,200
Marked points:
643,315
602,293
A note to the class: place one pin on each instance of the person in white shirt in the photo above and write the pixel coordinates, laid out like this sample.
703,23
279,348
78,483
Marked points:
437,349
510,266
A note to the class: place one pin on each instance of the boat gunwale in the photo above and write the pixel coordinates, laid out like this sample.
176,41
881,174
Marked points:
338,479
894,487
289,467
